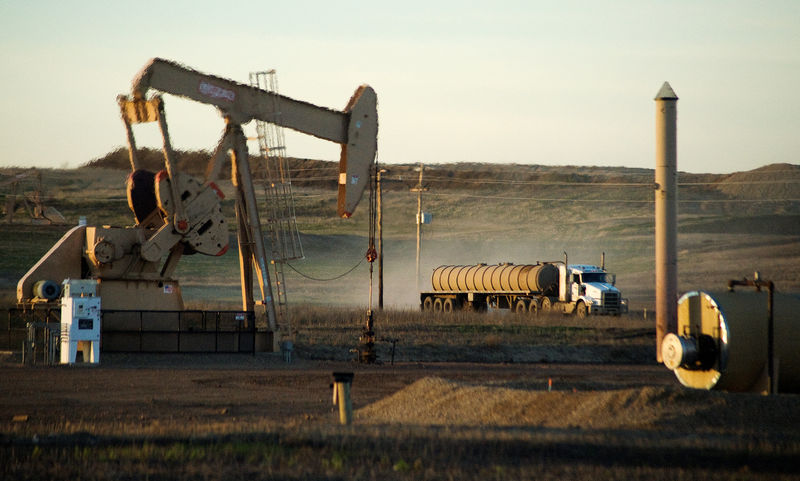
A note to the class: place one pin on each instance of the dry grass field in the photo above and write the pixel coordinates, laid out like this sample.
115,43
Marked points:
243,416
730,225
468,396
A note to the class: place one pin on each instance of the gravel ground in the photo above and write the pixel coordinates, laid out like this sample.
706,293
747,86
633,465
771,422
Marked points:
133,413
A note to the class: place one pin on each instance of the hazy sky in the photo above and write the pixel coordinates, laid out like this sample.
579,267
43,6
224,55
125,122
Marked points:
534,82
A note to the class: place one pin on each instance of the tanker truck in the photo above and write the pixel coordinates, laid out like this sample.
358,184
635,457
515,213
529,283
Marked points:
544,287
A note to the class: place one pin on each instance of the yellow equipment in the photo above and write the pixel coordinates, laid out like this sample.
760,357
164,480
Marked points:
722,342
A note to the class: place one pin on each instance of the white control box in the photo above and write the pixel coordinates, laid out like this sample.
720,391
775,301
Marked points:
80,321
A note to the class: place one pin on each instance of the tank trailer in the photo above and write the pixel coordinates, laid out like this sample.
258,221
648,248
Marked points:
546,287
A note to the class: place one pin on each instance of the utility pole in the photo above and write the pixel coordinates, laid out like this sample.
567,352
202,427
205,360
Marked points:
419,189
380,239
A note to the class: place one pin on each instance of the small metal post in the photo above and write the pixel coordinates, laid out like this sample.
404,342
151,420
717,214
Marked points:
773,378
286,348
366,350
341,396
394,344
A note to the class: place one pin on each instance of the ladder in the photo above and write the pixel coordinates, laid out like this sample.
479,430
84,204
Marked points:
284,238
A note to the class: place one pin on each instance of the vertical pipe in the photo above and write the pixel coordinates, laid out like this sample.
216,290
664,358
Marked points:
666,206
345,404
341,396
772,375
380,239
418,189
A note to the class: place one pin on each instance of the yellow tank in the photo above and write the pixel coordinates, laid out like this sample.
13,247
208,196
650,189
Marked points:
496,278
721,342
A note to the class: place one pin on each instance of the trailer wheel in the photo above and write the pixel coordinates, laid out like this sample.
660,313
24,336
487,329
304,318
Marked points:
437,305
520,308
427,304
581,310
546,306
447,305
533,308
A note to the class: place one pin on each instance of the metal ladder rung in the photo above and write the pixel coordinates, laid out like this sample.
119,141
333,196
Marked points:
280,219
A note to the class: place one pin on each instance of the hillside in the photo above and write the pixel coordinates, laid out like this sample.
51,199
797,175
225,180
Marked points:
775,181
729,224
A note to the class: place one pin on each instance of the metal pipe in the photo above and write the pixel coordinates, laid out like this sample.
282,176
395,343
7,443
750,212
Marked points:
666,203
380,239
418,189
341,396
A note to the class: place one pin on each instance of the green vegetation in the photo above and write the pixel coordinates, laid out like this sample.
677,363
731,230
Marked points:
403,453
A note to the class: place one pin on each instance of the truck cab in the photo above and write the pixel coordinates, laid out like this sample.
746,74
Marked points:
586,289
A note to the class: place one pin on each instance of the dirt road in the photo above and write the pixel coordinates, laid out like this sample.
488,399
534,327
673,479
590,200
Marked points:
178,393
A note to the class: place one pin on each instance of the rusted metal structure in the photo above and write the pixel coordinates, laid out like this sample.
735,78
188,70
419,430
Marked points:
33,201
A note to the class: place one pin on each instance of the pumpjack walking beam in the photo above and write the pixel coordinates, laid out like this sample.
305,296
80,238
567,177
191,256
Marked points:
355,128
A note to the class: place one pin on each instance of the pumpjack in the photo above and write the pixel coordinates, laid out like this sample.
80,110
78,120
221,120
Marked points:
177,214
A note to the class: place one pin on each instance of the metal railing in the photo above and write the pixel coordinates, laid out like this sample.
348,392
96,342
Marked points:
149,331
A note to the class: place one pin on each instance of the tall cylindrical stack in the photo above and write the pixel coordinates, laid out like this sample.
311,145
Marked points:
666,201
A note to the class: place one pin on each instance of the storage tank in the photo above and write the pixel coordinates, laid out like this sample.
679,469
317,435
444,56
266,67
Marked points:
496,278
721,341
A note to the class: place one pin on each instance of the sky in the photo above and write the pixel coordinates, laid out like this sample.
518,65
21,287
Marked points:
527,82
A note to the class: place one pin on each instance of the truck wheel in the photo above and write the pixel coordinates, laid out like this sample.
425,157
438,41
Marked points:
581,310
427,304
546,306
447,305
520,308
437,305
533,308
